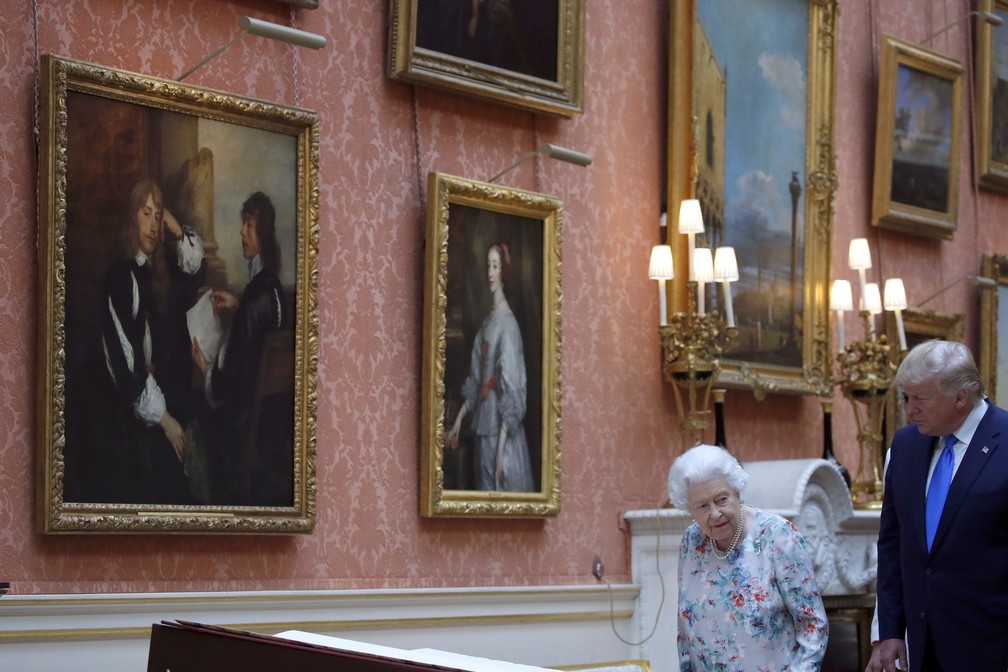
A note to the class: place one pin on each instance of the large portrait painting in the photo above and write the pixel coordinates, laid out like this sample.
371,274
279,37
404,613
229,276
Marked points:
491,367
752,139
992,96
178,243
917,152
523,53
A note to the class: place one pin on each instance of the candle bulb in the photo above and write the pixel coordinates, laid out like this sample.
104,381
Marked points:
660,269
703,267
873,305
841,301
690,223
726,272
896,301
859,259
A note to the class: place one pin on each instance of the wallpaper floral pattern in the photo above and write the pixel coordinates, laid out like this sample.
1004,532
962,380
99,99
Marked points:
379,138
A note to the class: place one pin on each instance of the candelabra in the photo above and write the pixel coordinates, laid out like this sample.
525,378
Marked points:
693,340
866,369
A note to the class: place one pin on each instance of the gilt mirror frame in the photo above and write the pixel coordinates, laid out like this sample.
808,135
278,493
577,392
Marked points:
809,373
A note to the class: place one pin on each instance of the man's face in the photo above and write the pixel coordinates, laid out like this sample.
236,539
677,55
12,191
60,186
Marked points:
148,221
250,237
934,413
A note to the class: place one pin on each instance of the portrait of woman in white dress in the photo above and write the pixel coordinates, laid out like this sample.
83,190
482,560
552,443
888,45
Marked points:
494,393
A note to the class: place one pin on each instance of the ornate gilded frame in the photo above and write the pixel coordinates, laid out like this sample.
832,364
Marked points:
175,134
993,360
991,104
919,325
916,187
548,78
464,218
820,184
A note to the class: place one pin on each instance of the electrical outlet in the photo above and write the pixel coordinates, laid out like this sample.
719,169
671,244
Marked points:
597,568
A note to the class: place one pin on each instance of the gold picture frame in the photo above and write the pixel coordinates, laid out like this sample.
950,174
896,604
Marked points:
702,164
993,360
917,152
523,53
992,97
194,163
919,325
491,351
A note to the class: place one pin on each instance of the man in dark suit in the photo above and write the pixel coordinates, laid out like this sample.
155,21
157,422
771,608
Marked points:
238,477
943,540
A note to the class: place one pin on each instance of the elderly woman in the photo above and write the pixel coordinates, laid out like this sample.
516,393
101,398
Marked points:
748,598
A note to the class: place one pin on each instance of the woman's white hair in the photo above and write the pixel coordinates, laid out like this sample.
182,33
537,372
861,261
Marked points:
701,464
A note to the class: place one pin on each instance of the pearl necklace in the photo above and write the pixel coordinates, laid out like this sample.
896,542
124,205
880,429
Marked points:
734,542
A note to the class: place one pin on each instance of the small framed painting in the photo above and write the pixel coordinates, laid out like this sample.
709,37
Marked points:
917,154
523,53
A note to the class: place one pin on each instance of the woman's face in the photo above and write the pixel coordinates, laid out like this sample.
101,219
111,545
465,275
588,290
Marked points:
148,221
494,269
716,507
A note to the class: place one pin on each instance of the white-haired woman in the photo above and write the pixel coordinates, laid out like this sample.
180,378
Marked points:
748,598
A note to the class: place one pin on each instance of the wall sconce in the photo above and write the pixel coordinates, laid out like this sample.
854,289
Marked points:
274,31
692,341
867,367
552,151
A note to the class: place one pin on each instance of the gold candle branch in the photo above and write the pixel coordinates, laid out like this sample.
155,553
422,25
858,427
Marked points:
692,344
866,373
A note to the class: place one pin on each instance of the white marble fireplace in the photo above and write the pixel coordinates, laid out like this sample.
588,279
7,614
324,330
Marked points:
811,493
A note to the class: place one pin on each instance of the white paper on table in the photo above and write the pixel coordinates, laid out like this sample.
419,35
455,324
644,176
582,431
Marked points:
434,657
205,326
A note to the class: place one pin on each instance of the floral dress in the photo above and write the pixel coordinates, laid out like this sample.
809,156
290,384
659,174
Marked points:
758,610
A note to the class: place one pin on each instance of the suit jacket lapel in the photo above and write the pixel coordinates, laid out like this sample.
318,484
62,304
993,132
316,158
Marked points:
983,445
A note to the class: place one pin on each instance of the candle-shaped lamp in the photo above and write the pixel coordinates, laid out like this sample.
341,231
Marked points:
660,269
703,263
726,272
894,299
840,301
690,223
859,259
873,304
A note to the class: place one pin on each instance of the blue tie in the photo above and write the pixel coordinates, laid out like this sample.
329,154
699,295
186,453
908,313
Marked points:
938,490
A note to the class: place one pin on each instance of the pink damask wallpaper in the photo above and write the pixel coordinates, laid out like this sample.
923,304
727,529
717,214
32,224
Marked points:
379,138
